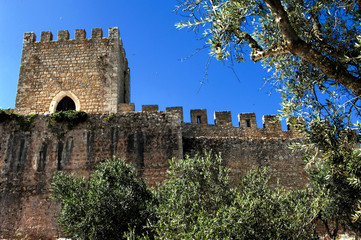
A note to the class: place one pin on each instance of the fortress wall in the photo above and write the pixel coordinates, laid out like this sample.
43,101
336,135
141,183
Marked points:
243,147
29,159
92,71
246,147
242,154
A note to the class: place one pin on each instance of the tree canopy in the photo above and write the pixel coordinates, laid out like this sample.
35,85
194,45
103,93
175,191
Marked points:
312,49
311,46
199,201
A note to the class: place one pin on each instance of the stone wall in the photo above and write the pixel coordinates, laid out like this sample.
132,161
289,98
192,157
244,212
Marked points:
30,157
93,72
246,147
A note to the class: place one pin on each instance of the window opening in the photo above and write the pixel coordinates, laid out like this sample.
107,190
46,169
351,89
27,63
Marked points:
65,104
198,119
248,123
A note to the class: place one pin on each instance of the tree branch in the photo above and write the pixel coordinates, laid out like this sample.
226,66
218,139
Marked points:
244,36
316,27
332,69
289,34
257,55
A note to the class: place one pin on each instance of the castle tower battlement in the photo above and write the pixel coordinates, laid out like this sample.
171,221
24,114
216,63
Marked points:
92,75
223,126
88,74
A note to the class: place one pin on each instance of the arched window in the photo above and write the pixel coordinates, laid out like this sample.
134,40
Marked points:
64,100
65,104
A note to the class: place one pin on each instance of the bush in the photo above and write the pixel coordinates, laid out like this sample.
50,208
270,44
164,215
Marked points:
197,188
198,202
71,117
104,206
264,212
24,121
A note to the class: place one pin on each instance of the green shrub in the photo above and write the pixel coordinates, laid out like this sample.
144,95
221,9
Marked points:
70,117
104,206
24,121
198,202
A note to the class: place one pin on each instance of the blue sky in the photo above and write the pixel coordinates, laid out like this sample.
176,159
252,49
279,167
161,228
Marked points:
154,48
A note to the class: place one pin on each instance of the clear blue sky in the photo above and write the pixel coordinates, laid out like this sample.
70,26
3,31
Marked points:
154,48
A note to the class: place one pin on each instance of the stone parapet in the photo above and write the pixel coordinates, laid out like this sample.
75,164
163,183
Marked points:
149,108
223,118
80,34
199,116
126,107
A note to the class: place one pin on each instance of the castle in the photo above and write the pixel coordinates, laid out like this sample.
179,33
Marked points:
92,75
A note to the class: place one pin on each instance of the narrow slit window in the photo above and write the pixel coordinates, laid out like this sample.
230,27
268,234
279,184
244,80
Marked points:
198,119
248,123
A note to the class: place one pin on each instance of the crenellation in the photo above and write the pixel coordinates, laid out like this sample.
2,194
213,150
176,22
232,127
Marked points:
272,123
199,116
149,108
113,32
63,35
179,110
223,118
247,120
80,34
126,107
46,36
97,33
29,37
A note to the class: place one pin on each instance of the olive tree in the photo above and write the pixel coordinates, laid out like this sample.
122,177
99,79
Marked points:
312,49
105,206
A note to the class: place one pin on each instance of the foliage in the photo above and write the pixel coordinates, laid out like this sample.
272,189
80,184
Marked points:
6,115
263,212
71,117
312,43
312,49
334,166
198,202
197,188
105,205
24,121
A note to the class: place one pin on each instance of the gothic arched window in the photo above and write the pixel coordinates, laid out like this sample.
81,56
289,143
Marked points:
65,104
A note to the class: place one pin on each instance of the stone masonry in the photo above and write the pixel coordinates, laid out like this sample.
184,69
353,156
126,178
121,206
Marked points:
93,72
93,75
30,157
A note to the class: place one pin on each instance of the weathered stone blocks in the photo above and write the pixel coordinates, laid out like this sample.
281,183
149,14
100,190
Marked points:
223,118
149,108
199,116
94,70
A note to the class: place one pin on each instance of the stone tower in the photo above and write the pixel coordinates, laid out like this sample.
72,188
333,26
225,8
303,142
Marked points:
91,75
